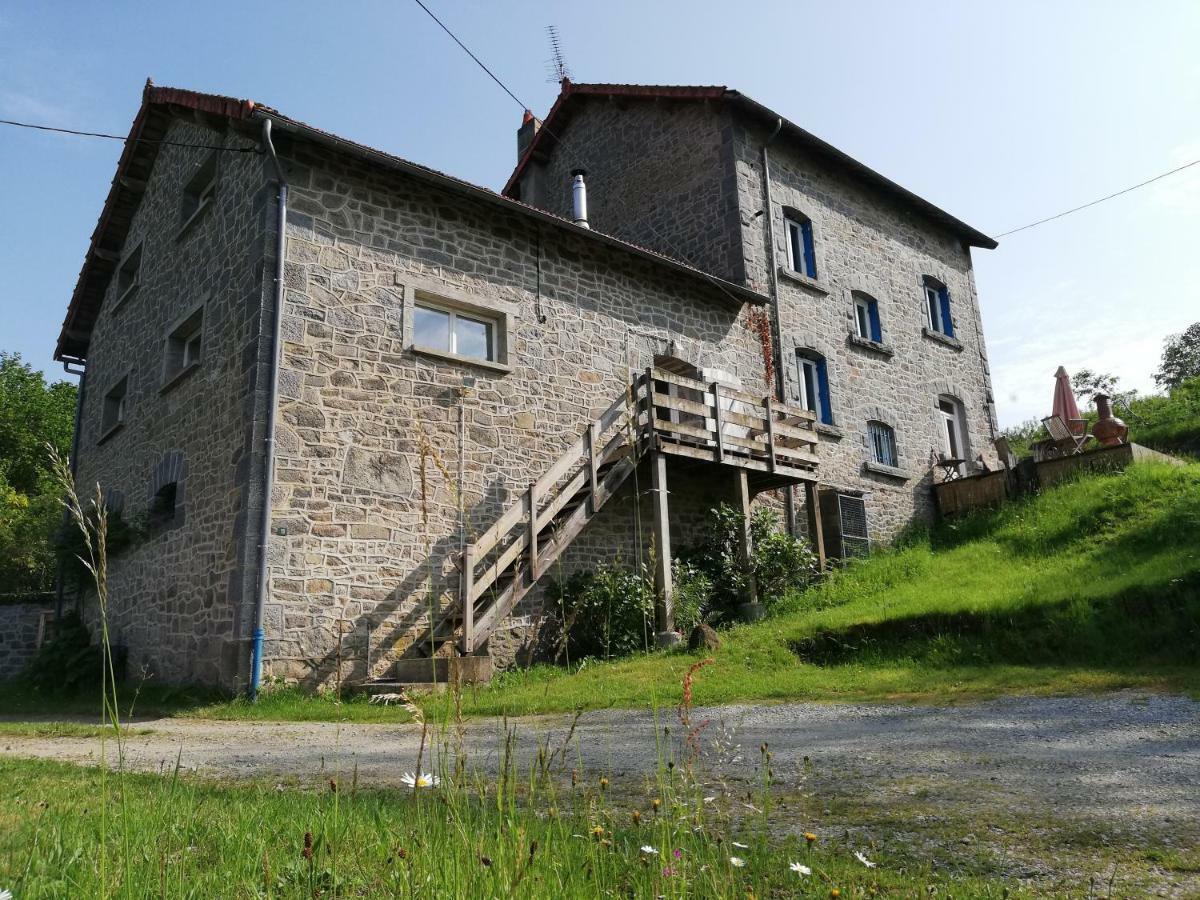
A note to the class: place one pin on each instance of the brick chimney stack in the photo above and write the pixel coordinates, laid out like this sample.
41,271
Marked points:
526,133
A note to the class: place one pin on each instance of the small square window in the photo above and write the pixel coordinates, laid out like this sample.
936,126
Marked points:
448,330
200,189
184,347
128,275
113,413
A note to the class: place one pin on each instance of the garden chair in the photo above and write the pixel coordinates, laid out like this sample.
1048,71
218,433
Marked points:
1067,439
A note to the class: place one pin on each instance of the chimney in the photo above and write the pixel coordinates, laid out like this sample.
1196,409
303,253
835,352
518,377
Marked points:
579,198
526,133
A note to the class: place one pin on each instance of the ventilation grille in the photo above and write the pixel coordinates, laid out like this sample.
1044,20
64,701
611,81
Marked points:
852,516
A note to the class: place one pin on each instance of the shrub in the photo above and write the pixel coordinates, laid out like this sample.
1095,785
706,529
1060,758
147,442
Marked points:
69,661
692,596
603,613
780,562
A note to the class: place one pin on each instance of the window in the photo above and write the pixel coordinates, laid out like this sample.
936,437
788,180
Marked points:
200,189
882,440
814,385
184,346
451,331
802,256
866,318
128,275
164,504
937,307
954,432
113,413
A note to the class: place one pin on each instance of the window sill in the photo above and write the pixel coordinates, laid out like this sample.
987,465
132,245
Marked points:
830,431
179,376
464,360
880,469
941,338
809,284
192,219
113,429
867,344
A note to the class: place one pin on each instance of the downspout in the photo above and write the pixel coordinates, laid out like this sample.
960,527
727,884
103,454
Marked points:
268,479
773,282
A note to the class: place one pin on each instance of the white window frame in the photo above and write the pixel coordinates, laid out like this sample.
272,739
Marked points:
810,382
933,308
183,349
492,323
794,231
954,427
874,426
862,318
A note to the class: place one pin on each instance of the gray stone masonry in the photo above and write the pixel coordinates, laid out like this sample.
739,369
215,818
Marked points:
175,594
20,628
684,160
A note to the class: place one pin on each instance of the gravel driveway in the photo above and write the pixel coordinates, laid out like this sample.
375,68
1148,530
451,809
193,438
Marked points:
1122,769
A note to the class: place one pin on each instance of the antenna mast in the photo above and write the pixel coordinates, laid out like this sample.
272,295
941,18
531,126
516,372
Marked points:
556,66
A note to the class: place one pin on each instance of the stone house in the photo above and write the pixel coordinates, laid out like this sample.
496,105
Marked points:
366,438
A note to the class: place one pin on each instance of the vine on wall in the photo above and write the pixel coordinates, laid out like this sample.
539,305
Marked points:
759,324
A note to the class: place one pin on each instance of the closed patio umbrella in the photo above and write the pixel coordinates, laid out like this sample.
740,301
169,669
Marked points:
1065,406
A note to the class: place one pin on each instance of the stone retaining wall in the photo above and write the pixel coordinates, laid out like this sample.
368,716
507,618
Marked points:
21,627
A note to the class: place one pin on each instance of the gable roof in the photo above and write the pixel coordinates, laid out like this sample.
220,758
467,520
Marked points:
560,113
161,104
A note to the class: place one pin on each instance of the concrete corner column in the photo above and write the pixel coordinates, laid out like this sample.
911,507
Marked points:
664,617
746,544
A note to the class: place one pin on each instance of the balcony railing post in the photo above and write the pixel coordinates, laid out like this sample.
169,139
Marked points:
593,438
533,533
716,394
770,410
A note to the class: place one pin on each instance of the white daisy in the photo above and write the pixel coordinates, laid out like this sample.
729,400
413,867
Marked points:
800,869
862,859
650,851
737,862
424,780
6,894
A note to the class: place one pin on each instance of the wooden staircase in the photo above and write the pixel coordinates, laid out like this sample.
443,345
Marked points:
659,413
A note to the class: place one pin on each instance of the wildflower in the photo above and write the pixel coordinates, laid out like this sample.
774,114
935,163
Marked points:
603,783
402,853
656,803
737,862
307,852
647,849
421,780
810,837
668,871
597,832
6,894
740,846
835,893
677,853
636,816
862,859
801,869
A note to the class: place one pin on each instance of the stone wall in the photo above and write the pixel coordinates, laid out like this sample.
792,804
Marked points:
175,593
654,177
20,629
369,469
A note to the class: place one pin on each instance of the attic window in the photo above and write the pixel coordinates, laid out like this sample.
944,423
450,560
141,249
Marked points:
129,275
199,192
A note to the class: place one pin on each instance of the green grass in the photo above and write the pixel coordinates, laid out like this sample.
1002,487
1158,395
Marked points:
74,832
1091,586
63,729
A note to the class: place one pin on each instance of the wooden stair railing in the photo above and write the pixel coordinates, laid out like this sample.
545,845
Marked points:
660,410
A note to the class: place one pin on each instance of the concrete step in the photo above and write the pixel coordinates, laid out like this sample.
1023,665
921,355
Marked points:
442,669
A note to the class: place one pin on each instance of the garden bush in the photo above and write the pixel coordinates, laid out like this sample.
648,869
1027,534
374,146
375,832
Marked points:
603,613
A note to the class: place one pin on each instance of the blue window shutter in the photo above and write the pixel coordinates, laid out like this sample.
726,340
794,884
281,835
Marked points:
876,328
810,254
947,322
823,387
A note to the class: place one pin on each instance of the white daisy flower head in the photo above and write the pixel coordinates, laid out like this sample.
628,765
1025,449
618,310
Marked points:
737,862
423,780
649,851
801,869
858,854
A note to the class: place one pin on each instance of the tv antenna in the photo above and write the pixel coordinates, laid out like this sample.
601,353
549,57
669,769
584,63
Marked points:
556,66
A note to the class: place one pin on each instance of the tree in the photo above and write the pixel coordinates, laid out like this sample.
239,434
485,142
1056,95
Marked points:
32,414
1087,384
1180,359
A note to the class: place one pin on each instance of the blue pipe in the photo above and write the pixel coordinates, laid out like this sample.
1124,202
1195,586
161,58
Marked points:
255,664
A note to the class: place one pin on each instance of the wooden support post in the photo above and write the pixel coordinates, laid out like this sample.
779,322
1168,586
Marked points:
789,499
770,432
716,393
593,438
816,535
664,618
466,587
745,544
533,533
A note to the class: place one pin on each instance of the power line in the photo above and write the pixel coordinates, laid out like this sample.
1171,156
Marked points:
467,50
121,137
1101,200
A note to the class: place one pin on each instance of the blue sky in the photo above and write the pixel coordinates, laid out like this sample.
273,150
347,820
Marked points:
999,113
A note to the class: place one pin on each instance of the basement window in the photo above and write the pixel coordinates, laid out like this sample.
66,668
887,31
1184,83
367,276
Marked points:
444,329
882,441
129,276
200,190
112,416
184,347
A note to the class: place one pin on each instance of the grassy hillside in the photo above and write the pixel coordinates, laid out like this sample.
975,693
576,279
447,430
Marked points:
1093,585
